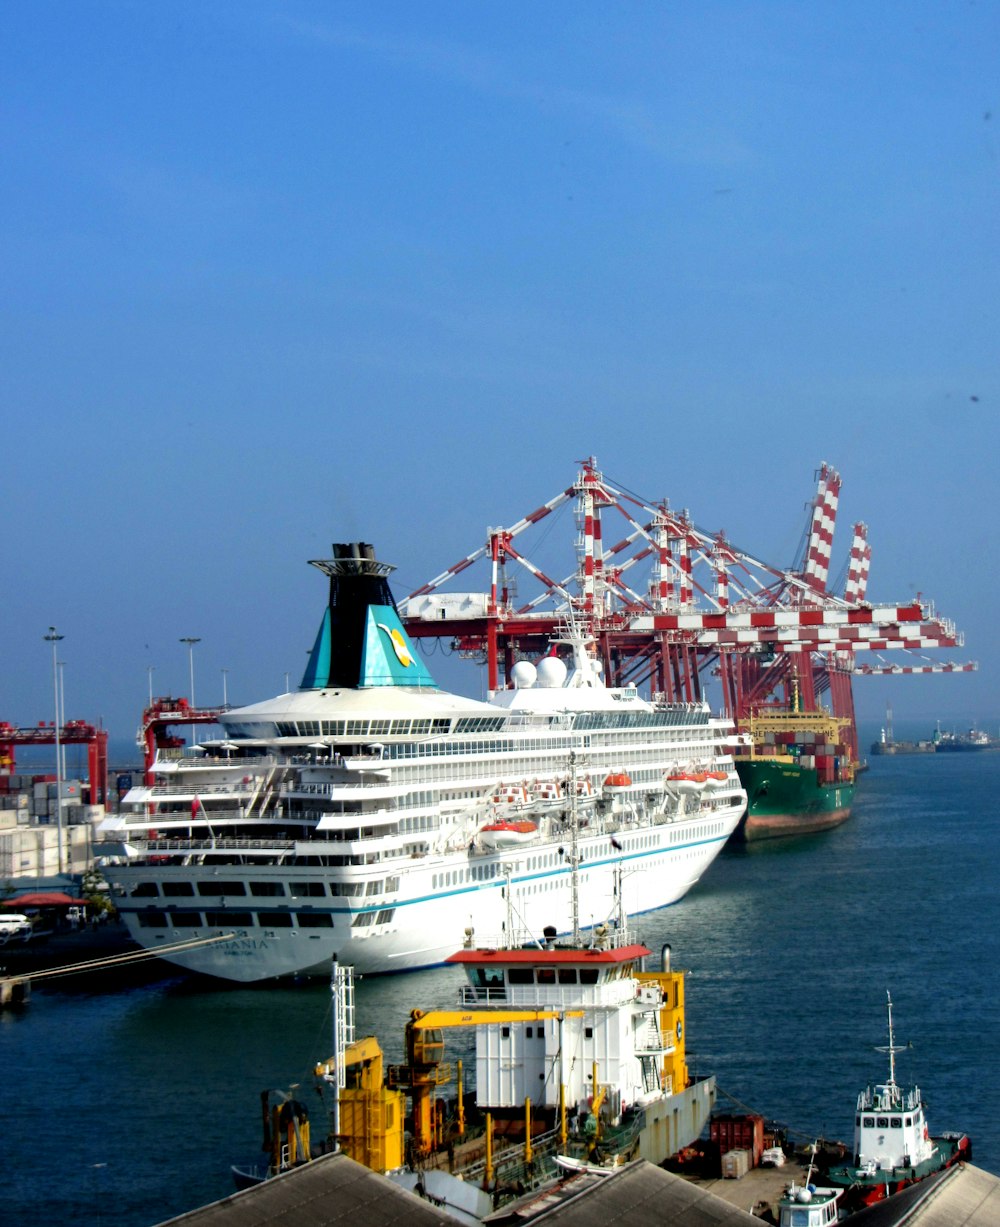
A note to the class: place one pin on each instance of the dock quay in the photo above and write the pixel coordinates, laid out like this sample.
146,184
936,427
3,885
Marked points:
55,948
111,962
759,1188
14,991
334,1190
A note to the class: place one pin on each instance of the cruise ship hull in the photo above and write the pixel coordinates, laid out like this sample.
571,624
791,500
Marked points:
659,865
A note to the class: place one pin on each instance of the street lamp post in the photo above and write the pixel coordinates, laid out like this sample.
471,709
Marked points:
62,710
54,637
191,640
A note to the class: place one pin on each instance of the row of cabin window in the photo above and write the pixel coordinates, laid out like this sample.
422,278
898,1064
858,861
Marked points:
493,977
479,724
884,1122
588,1033
304,890
505,746
480,873
266,920
359,728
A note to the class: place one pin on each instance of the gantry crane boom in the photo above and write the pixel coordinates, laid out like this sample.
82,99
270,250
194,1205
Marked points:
709,608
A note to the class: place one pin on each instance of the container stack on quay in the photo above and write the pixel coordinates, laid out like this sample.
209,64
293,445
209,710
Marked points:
30,837
740,1142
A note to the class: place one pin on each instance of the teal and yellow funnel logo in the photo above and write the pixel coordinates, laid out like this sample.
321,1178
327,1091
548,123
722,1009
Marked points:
388,658
399,644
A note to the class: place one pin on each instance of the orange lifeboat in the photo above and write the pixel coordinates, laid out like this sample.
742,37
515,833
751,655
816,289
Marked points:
686,781
617,781
503,834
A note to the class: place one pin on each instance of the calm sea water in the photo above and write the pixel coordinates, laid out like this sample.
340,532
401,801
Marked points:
127,1107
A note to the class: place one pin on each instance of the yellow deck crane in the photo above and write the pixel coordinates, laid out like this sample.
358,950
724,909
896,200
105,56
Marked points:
373,1100
425,1068
372,1115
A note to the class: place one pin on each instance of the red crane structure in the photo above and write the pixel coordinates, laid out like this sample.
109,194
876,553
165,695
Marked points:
72,733
671,607
157,720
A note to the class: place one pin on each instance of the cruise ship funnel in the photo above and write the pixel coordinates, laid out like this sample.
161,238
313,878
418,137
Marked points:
361,640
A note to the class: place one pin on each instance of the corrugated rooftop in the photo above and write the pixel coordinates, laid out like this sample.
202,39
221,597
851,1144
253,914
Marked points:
334,1191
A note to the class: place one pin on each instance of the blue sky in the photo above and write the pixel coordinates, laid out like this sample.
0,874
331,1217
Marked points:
282,273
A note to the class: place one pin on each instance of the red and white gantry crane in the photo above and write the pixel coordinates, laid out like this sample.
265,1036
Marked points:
671,607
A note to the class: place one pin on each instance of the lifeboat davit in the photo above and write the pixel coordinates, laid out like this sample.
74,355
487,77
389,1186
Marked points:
617,781
505,834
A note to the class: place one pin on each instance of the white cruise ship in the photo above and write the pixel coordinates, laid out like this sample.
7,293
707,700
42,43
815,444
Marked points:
372,816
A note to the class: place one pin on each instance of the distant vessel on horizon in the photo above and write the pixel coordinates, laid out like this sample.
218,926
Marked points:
971,739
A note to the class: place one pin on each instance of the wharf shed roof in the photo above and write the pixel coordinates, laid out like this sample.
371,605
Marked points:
961,1196
52,898
330,1191
637,1195
334,1191
641,1195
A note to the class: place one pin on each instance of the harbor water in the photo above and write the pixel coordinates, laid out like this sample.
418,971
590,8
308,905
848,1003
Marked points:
127,1106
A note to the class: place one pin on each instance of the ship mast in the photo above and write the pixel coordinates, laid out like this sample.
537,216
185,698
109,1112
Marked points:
891,1048
574,847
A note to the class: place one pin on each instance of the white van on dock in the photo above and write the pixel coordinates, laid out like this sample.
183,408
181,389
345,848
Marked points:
13,927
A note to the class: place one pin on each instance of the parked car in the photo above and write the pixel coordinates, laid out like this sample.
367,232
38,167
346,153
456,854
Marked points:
14,927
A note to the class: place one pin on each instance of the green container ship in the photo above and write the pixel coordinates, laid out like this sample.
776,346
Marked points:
797,772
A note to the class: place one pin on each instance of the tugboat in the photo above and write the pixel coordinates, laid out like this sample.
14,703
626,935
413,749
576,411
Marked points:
580,1061
892,1144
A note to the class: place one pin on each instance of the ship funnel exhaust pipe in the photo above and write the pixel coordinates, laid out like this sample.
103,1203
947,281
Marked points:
665,957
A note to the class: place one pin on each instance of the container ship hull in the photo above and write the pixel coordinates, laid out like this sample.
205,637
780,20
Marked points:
789,799
798,773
